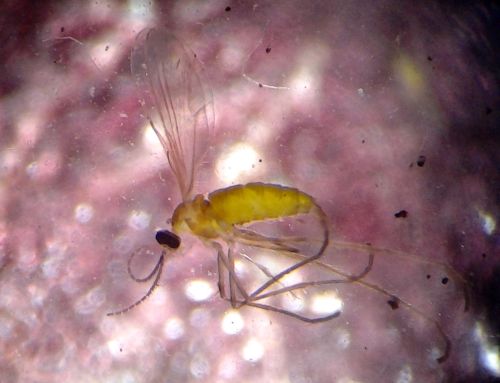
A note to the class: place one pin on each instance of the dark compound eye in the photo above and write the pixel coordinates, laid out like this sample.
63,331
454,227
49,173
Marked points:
167,238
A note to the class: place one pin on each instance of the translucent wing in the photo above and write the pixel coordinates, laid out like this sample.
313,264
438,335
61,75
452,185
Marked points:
178,105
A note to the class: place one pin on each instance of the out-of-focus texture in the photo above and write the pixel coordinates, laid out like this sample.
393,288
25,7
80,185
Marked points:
384,112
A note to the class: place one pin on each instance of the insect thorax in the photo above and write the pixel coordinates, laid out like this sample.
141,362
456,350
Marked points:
195,216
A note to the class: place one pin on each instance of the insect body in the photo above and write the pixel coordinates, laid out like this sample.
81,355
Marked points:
240,204
179,108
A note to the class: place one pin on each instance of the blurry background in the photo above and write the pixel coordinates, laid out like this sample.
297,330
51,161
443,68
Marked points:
371,108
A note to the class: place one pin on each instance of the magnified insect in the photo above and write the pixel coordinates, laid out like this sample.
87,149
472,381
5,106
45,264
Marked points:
270,240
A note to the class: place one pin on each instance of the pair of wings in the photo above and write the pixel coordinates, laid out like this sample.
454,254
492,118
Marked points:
177,102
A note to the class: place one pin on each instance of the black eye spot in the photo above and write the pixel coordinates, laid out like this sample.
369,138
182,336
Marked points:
228,9
268,49
445,280
167,238
401,214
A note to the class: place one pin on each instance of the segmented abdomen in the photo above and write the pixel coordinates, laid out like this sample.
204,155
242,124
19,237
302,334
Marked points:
242,204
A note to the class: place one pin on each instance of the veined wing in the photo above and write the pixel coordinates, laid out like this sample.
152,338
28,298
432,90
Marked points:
178,105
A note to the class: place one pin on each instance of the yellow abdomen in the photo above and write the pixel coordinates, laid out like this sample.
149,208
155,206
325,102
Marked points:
237,205
241,204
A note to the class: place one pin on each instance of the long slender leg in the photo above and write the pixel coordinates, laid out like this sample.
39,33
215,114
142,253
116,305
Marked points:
347,278
233,279
394,299
232,275
294,315
455,275
222,281
288,270
279,244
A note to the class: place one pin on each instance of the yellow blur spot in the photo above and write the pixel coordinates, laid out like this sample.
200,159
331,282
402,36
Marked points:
409,75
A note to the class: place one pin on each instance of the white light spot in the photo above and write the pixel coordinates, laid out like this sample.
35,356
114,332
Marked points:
199,366
141,11
83,212
114,347
174,328
139,220
198,290
236,162
361,92
159,298
127,336
32,169
326,303
405,375
232,323
489,353
253,351
303,82
491,360
240,268
151,141
489,223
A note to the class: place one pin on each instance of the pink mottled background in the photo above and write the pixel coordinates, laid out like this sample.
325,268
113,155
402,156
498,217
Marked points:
368,87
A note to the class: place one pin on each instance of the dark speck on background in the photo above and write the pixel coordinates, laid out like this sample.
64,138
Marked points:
268,49
228,8
488,110
421,161
401,214
394,303
445,280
